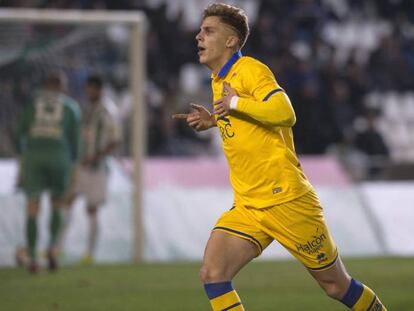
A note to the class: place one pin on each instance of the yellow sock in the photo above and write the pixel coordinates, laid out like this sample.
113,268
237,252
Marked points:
223,297
361,298
368,301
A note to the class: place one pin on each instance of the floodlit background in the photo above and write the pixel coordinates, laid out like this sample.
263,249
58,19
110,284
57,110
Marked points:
347,66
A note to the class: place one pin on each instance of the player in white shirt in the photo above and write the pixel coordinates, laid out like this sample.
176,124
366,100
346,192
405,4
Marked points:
100,135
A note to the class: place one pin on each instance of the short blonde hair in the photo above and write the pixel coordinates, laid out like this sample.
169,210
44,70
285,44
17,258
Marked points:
233,16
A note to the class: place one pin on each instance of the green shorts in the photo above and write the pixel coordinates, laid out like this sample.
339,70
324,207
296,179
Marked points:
45,172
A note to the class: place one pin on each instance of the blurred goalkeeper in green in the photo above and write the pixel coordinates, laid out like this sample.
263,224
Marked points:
47,140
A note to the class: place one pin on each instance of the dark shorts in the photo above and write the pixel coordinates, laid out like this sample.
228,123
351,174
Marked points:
45,172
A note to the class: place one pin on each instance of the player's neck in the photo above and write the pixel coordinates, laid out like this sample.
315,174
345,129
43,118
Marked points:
95,101
215,68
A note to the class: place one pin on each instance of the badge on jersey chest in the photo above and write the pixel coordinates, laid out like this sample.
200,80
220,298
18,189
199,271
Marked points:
224,91
225,127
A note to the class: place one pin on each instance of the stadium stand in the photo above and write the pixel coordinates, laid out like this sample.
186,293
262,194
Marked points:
337,59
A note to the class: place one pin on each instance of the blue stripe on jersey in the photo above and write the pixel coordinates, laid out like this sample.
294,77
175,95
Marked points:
241,233
214,290
225,69
232,306
353,294
271,93
325,266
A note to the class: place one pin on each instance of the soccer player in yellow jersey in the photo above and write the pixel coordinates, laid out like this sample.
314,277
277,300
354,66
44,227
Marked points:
273,200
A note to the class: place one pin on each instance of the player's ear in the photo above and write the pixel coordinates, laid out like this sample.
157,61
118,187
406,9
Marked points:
232,41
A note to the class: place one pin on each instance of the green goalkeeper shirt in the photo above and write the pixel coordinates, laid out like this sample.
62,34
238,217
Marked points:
51,125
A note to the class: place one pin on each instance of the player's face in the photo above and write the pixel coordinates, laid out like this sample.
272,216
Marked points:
212,43
93,93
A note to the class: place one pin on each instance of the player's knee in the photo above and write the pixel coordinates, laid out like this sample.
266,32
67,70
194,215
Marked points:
32,208
212,275
92,210
57,203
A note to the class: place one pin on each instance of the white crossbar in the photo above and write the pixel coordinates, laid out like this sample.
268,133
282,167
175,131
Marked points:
70,16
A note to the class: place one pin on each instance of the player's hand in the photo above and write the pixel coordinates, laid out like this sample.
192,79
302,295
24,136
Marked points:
199,119
222,105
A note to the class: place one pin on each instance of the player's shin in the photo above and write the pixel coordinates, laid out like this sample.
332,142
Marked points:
65,221
55,225
222,296
359,297
31,234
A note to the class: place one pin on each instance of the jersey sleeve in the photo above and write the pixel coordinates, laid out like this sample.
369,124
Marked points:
268,102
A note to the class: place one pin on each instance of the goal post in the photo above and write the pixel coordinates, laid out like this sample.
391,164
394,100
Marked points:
136,21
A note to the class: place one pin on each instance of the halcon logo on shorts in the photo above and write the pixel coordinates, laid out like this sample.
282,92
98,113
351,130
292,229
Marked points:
313,246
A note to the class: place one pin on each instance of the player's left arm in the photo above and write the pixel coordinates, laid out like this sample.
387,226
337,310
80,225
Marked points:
22,128
268,102
20,134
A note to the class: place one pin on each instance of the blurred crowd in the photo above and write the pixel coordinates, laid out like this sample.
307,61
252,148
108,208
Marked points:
329,55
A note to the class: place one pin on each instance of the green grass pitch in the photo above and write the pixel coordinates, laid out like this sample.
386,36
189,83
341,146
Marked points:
263,286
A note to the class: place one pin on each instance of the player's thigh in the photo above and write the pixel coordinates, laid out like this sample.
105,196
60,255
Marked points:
244,223
224,256
59,172
34,179
299,225
236,239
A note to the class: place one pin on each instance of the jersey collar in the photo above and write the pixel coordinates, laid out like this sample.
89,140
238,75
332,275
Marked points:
226,68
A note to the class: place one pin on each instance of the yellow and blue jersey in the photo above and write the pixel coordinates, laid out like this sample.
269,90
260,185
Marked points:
257,135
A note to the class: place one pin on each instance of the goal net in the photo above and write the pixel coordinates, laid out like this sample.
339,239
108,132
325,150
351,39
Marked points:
79,43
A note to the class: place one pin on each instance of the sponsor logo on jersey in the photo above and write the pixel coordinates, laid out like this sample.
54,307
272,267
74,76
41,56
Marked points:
225,128
224,92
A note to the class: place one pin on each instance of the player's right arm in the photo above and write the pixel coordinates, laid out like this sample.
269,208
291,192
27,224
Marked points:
200,119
